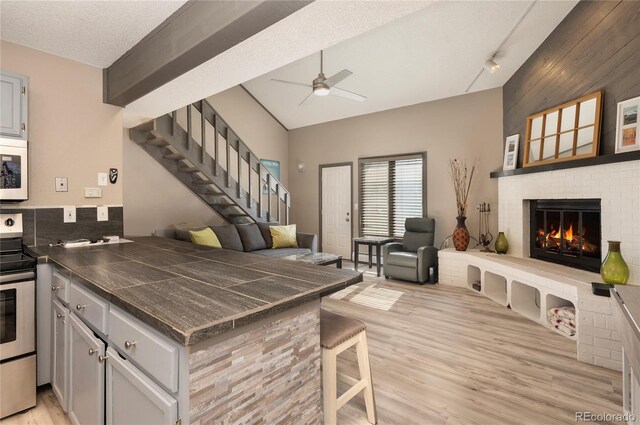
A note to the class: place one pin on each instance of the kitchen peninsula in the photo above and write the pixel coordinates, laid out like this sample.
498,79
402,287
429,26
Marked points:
185,332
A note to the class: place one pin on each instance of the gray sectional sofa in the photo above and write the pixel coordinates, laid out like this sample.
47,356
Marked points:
254,238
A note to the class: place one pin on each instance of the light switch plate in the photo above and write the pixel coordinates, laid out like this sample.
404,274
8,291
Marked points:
103,179
92,192
62,184
103,213
69,215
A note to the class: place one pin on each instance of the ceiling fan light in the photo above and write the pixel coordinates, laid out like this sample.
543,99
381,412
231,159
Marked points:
321,91
491,66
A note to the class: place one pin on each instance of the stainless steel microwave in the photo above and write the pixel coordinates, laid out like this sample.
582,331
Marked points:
14,177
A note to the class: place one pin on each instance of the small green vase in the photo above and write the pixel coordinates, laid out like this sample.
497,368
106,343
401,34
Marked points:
502,244
614,269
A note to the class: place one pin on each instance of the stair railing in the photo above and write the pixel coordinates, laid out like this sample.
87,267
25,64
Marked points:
268,185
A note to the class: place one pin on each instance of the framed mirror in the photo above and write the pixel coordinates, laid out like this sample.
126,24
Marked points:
565,132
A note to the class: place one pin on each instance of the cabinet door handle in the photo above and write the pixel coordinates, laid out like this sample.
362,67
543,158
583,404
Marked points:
129,344
92,351
55,288
59,316
80,306
102,359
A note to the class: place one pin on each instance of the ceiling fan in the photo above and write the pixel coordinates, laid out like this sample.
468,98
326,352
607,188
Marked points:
323,86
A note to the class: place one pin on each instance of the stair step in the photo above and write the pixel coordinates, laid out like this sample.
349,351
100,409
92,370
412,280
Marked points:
214,192
173,155
188,169
202,181
157,141
222,204
237,215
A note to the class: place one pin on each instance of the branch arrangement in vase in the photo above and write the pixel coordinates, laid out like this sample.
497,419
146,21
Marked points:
461,178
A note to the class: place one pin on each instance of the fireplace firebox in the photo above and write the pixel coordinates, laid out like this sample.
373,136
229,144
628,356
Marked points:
566,231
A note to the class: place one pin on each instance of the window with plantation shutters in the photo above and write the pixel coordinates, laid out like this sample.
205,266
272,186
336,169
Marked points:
391,190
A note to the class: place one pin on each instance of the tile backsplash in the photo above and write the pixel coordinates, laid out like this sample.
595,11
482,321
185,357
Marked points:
42,226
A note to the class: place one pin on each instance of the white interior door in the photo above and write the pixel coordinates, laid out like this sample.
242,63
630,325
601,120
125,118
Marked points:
336,210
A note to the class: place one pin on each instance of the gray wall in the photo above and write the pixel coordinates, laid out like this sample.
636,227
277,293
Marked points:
468,126
596,47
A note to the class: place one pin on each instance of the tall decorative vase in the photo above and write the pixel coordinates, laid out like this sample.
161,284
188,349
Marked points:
614,269
502,244
461,235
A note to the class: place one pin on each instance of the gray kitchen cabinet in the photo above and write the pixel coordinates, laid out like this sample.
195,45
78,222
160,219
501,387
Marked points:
86,375
133,398
13,105
60,354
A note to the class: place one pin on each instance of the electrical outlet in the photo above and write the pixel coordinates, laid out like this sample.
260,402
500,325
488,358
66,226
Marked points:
92,192
61,184
103,213
69,214
103,179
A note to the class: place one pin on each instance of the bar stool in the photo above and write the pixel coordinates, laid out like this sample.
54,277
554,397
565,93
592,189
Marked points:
338,333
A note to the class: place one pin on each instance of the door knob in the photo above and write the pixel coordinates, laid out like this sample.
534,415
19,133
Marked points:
102,359
80,306
59,316
129,344
346,219
92,351
55,288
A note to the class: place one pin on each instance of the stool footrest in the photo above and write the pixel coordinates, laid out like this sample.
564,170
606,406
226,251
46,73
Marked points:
351,392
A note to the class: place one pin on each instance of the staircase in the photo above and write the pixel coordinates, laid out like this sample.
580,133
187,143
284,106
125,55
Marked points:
212,161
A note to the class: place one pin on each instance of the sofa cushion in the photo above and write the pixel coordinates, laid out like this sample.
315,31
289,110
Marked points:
402,258
228,237
282,252
284,236
182,230
251,237
205,237
266,233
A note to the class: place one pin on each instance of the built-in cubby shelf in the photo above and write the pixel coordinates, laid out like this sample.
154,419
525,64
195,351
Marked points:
525,299
495,287
473,275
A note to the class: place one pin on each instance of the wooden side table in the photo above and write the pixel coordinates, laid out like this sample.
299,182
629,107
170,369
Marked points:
370,241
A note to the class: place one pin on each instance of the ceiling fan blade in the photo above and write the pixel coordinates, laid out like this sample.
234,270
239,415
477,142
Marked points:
347,94
293,83
336,78
306,98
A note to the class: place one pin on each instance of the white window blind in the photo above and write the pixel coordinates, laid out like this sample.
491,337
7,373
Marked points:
391,190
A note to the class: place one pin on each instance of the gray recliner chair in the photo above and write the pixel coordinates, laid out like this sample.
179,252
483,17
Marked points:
412,258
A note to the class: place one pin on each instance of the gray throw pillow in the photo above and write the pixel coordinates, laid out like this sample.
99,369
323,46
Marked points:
228,237
266,233
251,237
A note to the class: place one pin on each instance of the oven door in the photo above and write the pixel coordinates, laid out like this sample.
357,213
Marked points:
17,314
14,174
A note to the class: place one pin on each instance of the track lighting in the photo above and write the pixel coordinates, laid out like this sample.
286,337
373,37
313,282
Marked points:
491,65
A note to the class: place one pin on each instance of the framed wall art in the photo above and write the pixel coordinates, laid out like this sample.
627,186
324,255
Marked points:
511,152
627,126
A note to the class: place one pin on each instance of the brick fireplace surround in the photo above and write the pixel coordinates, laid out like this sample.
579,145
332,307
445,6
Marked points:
618,187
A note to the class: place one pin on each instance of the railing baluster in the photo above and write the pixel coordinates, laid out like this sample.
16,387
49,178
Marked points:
215,145
286,208
189,132
228,154
174,122
269,196
258,169
203,128
239,169
278,202
250,191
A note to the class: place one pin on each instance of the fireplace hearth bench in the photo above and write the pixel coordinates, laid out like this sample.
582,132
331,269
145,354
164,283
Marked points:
531,287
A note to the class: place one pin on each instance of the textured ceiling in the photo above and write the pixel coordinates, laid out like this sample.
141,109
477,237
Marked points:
431,54
92,32
317,26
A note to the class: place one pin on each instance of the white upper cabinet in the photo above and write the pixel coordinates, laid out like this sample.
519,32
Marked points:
13,105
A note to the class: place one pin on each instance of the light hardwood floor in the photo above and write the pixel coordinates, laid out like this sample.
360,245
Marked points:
445,355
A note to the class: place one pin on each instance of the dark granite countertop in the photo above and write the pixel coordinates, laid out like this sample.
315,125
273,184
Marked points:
192,293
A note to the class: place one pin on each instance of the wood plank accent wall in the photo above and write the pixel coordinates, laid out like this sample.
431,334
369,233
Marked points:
596,47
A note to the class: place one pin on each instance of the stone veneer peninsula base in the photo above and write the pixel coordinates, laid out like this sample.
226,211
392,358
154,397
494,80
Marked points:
268,370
